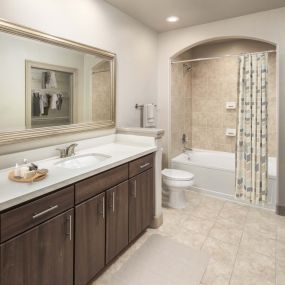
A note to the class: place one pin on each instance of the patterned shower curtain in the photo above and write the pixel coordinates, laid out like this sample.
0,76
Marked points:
251,154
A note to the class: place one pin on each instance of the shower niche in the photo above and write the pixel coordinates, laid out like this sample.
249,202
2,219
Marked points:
50,92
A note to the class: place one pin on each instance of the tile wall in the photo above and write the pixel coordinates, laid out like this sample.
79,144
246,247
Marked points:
198,104
181,108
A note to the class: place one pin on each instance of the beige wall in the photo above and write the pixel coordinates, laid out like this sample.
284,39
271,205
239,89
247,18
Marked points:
210,84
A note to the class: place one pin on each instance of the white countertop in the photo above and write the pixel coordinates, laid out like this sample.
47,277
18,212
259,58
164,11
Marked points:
121,151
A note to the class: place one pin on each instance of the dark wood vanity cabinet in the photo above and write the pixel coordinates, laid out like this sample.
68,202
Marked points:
117,223
89,239
69,236
42,255
140,203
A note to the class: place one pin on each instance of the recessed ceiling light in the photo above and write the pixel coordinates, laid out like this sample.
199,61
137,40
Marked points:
172,19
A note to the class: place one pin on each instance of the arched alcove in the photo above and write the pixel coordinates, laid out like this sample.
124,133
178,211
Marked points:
204,78
239,44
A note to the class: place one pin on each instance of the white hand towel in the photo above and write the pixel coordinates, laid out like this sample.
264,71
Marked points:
149,116
150,112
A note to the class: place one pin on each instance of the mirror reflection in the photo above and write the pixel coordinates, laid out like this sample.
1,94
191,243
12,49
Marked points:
45,85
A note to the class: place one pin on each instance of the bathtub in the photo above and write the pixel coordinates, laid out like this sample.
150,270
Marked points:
215,173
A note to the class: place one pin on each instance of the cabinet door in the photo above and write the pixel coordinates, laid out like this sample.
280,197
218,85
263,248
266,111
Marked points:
89,239
140,203
43,255
117,220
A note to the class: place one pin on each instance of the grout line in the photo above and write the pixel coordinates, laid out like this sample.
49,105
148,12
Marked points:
207,236
238,247
276,257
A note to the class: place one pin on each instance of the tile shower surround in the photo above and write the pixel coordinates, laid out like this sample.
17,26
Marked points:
198,99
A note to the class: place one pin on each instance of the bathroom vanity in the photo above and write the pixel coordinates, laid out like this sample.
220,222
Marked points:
67,228
69,235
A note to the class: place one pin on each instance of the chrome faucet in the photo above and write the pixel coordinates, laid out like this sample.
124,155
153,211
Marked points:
67,151
70,150
185,148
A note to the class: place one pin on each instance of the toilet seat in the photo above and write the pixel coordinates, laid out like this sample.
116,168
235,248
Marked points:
177,175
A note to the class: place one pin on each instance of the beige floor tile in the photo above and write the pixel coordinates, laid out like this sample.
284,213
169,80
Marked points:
233,214
280,251
205,212
265,230
280,273
281,220
250,279
190,238
198,225
281,233
193,198
230,234
258,244
238,222
211,203
169,229
262,216
217,273
173,215
251,267
232,208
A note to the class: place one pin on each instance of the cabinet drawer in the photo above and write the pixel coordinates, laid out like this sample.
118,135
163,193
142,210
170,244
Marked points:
29,215
141,164
98,183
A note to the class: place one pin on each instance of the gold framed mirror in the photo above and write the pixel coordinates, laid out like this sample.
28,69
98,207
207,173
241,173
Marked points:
52,86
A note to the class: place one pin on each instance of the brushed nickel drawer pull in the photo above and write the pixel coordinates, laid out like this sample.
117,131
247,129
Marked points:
37,215
113,201
135,189
145,165
103,207
70,227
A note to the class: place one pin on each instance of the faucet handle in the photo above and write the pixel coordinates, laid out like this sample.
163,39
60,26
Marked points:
62,152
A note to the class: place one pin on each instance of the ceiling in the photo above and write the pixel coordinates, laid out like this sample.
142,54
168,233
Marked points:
191,12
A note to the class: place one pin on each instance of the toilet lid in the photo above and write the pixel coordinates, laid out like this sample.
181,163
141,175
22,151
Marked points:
176,174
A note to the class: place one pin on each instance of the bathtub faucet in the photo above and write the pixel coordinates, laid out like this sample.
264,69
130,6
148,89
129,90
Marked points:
186,151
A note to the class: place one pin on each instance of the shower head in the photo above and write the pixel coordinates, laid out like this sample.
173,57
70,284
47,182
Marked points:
188,67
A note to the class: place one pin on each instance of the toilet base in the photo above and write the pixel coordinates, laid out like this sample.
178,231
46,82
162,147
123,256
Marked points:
173,197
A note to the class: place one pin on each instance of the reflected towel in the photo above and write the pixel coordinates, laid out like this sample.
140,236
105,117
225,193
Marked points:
36,110
43,102
53,101
49,80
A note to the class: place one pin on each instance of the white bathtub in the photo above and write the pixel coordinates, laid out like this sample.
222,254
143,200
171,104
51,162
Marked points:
215,173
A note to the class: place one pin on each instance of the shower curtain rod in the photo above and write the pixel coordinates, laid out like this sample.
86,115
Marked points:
217,57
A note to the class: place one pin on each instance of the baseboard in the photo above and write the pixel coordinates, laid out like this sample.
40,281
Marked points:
157,222
280,210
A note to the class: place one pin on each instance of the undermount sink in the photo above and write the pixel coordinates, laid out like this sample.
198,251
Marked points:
81,161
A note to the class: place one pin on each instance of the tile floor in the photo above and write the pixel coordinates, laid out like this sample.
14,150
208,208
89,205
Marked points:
246,245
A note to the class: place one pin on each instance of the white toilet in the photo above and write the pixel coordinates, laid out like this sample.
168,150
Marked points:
175,182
